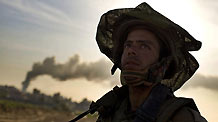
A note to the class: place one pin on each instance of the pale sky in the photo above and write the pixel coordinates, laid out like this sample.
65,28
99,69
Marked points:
34,30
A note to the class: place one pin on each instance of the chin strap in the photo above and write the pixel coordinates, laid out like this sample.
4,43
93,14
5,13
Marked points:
133,78
113,69
154,75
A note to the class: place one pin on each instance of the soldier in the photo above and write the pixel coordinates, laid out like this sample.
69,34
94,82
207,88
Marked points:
152,53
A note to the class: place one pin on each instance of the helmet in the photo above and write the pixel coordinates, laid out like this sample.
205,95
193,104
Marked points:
177,42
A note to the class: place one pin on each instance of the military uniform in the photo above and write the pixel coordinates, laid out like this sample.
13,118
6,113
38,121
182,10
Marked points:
176,67
173,110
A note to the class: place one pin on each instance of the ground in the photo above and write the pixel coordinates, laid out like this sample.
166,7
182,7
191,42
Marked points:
11,111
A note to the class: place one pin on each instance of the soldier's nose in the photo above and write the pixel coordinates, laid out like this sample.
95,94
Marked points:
131,52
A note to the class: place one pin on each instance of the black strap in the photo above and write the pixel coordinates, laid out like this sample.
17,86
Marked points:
110,100
113,69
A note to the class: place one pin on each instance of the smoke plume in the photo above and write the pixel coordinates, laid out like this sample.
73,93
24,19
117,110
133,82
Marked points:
97,72
208,82
73,69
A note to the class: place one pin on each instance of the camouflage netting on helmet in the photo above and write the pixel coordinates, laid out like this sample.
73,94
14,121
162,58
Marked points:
177,38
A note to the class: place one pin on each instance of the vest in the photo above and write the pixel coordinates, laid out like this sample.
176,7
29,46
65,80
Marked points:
169,108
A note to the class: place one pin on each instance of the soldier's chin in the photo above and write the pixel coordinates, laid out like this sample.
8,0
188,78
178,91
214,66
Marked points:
131,81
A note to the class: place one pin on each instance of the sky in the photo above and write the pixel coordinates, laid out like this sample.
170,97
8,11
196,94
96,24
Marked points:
49,40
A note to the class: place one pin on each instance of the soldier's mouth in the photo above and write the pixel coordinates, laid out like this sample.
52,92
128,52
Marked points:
131,63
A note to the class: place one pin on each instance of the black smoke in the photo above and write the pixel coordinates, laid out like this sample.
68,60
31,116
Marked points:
93,71
98,71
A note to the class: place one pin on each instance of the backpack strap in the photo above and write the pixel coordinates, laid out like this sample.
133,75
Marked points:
172,105
109,102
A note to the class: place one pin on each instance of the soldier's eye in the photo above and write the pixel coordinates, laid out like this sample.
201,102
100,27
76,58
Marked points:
143,46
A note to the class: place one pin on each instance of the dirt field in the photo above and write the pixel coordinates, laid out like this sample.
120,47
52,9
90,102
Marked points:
41,116
24,113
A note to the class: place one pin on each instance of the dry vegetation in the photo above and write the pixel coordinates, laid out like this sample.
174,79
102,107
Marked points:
16,106
11,111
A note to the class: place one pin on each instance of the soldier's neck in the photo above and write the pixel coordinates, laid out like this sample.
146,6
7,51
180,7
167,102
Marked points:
137,95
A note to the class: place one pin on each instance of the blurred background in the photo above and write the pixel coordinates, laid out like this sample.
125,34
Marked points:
49,58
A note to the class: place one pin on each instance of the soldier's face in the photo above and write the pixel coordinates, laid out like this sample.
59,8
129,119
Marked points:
141,49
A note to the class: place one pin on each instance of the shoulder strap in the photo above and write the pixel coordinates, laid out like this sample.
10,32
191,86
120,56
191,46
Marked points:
107,103
172,105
